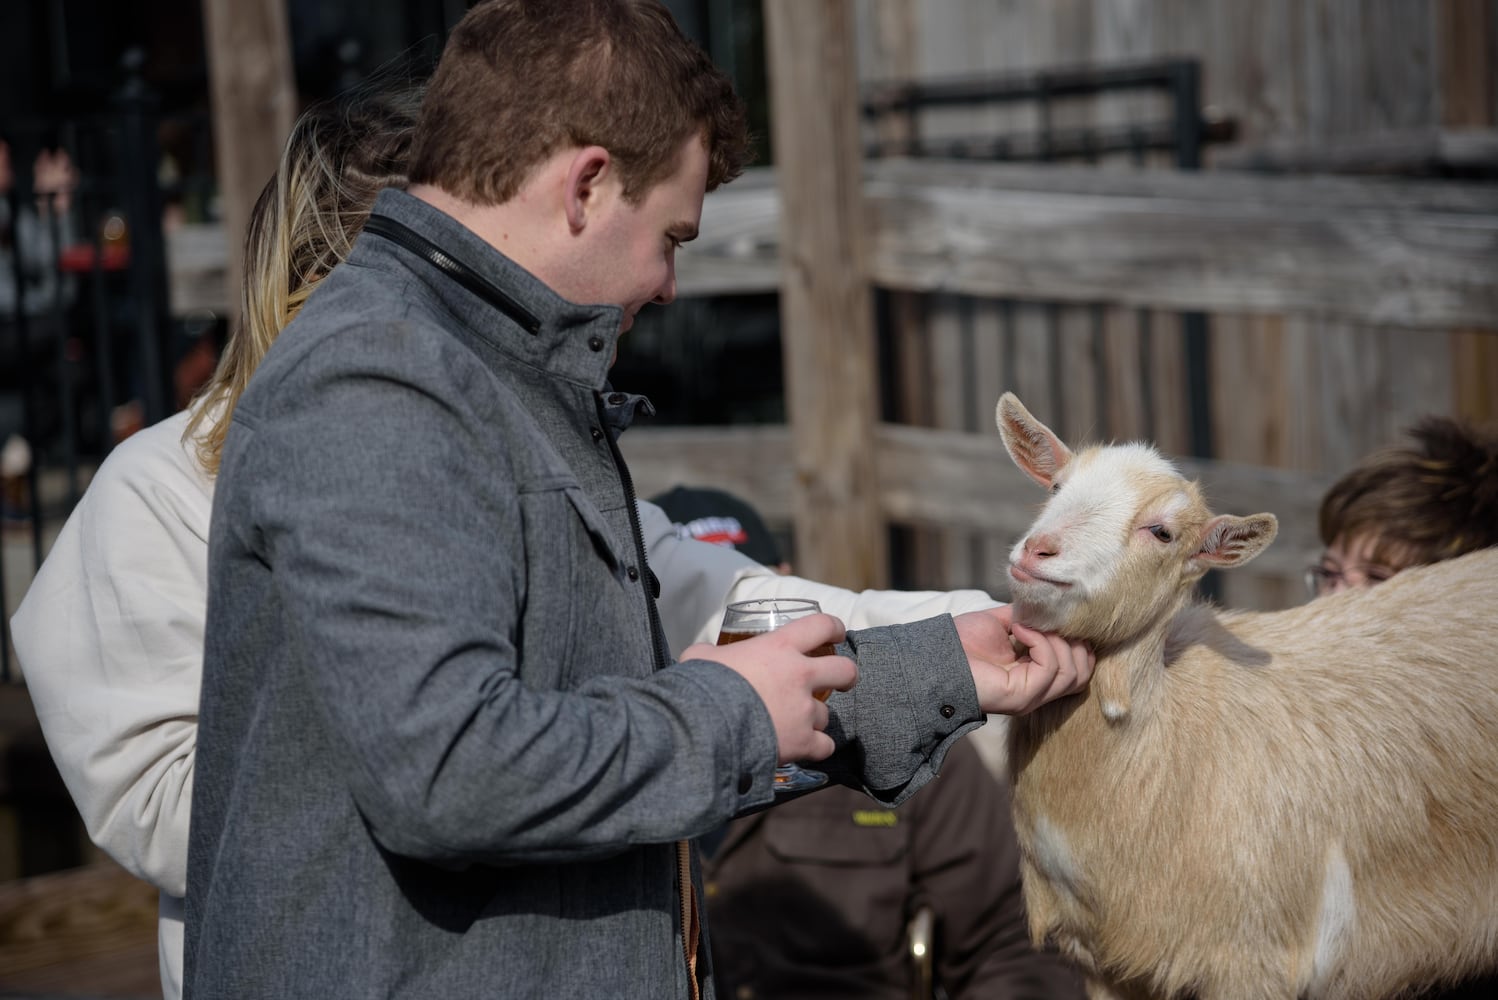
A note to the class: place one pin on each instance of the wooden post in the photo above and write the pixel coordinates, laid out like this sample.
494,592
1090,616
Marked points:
1465,43
254,105
827,323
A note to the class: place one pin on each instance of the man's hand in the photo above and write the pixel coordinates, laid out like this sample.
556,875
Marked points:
784,671
1012,683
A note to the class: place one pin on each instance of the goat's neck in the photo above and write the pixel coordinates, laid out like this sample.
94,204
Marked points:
1130,674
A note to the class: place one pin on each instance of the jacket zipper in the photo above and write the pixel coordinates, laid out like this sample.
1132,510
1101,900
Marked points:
409,239
685,893
657,630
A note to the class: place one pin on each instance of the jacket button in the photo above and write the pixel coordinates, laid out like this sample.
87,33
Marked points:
617,399
632,573
947,711
746,782
595,343
596,432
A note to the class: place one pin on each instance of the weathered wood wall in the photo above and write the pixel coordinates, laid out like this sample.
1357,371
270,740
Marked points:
1323,85
1343,273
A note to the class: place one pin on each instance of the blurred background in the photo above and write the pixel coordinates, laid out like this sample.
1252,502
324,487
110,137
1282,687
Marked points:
1263,236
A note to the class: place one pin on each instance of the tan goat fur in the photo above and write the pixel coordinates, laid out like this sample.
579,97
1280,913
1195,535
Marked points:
1246,805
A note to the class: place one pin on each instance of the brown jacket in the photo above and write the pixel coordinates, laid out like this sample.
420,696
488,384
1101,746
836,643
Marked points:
811,898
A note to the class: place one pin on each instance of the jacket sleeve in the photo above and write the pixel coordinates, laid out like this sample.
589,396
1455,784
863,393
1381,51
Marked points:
110,640
965,865
698,579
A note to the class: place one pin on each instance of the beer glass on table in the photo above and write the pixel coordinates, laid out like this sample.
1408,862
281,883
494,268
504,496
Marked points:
746,619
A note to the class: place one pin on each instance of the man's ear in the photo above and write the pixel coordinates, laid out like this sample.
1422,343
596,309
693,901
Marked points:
585,174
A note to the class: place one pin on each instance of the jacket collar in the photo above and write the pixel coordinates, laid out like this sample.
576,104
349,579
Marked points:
501,302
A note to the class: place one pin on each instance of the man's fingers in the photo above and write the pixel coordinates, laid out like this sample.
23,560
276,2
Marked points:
821,747
1052,668
811,633
833,673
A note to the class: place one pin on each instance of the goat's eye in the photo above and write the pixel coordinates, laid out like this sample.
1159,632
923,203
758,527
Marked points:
1160,531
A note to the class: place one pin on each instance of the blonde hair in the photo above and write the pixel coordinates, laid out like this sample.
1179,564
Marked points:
338,157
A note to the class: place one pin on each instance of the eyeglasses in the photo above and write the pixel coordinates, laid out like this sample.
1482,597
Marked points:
1327,578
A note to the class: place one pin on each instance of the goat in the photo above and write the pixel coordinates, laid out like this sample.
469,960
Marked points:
1248,805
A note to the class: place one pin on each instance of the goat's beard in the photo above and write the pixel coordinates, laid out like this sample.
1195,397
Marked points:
1041,606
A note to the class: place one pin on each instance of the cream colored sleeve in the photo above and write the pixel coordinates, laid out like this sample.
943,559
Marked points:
698,579
110,641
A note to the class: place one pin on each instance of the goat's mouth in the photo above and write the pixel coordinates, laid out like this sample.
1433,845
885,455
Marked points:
1021,575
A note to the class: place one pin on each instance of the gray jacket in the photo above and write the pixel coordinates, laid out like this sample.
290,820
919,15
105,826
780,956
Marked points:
442,751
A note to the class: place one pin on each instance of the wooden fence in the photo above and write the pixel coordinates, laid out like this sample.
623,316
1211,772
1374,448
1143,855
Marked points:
1377,271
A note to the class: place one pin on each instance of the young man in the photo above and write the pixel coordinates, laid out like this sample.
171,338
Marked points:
443,750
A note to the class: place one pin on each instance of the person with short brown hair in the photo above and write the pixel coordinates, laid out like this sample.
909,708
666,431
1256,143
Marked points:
504,74
1409,505
443,749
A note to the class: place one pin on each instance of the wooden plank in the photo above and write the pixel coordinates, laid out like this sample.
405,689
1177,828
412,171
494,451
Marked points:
946,336
1474,356
1166,381
83,932
1411,253
911,358
1126,416
1397,74
951,479
890,51
1302,382
991,379
946,553
826,310
1077,371
1187,189
1248,397
1213,253
254,103
749,461
1254,61
1467,42
1419,151
1034,348
1420,376
1352,365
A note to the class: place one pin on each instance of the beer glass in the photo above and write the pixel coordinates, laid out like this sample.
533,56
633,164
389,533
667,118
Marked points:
746,619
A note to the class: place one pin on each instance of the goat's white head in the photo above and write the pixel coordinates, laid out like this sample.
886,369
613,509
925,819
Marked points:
1121,539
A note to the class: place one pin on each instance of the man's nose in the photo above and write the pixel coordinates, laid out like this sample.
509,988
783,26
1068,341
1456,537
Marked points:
667,293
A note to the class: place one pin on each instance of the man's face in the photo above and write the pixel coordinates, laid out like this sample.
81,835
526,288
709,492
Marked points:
628,258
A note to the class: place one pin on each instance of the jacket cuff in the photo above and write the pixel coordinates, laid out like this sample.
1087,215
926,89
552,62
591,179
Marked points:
914,697
746,760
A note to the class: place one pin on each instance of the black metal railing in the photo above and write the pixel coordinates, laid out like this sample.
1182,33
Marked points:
1182,132
89,327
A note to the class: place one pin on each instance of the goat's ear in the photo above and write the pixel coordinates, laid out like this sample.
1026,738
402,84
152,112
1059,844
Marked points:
1035,449
1233,541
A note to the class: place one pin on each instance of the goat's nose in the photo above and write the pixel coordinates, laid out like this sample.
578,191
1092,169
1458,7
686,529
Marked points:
1042,546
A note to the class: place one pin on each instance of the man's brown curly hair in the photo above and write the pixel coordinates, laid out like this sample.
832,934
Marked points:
521,79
